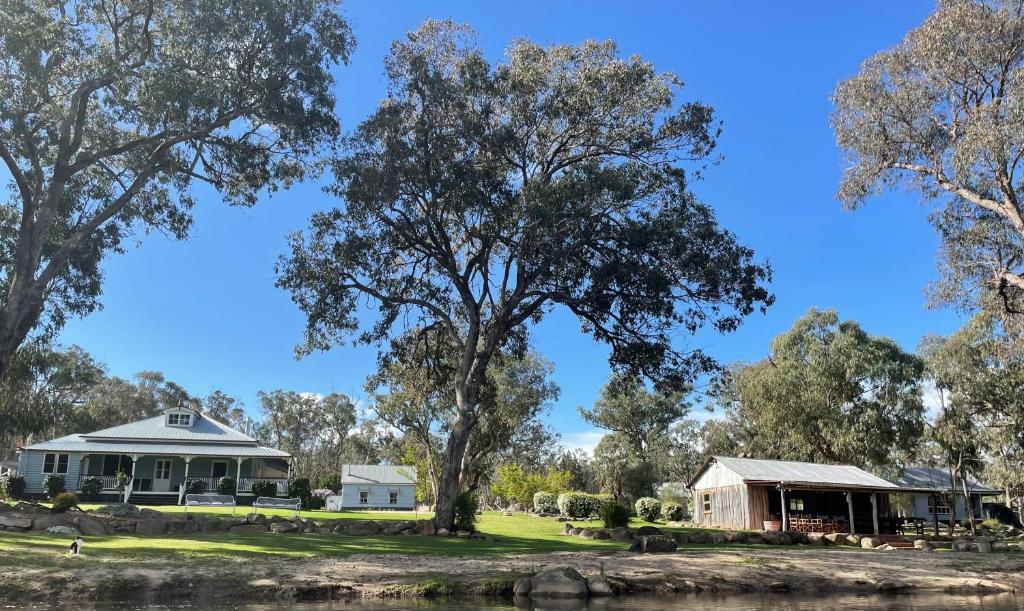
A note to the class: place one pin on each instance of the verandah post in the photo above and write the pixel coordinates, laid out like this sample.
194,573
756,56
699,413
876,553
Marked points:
785,512
849,504
874,511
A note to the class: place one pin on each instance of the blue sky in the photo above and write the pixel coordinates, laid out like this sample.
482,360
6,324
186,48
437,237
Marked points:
206,313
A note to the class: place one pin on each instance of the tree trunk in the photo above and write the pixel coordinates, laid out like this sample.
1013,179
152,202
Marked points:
952,500
451,470
19,317
967,501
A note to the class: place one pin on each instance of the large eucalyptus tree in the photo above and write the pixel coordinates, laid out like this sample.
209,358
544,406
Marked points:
478,197
111,110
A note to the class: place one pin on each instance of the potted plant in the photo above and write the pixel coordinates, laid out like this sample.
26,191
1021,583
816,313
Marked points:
773,523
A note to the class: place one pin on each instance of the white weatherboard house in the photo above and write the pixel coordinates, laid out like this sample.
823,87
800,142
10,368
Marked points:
932,488
378,487
158,454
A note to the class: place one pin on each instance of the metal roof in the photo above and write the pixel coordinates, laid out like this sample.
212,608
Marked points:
933,479
78,443
156,428
377,474
793,472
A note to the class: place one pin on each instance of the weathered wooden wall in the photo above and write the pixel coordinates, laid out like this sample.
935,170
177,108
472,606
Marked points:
730,507
758,511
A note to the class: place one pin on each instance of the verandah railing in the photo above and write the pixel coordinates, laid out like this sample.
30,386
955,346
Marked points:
209,483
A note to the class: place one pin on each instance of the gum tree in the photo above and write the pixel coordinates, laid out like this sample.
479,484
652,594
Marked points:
110,111
479,197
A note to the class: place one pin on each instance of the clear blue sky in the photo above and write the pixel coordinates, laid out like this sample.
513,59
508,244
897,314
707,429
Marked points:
206,313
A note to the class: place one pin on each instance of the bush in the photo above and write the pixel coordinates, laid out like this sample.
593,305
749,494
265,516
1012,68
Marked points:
333,482
545,502
582,504
672,512
264,488
465,512
194,486
64,501
299,488
318,498
122,481
991,524
226,486
54,485
648,508
92,488
314,502
13,486
615,515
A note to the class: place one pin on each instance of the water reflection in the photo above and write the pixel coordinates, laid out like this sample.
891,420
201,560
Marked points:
759,602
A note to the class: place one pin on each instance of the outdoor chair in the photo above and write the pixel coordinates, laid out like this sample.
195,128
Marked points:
271,502
210,500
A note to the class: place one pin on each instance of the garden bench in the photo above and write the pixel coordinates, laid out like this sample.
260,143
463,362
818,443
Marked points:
210,500
271,502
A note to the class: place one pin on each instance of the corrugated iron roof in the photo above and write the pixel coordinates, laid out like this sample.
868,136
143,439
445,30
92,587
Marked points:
77,443
793,472
377,474
204,429
931,478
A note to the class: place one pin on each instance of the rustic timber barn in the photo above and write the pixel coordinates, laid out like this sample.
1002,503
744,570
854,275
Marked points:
746,493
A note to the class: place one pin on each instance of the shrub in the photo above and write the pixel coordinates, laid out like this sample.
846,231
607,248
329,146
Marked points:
314,502
264,488
298,488
582,504
64,501
545,502
333,482
465,512
991,524
648,508
194,486
672,512
54,485
322,493
318,498
122,481
615,515
226,486
92,488
14,486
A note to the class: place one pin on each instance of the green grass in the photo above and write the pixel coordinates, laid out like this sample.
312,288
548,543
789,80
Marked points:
286,513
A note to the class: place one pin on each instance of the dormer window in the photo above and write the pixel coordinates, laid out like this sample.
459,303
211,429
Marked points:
179,419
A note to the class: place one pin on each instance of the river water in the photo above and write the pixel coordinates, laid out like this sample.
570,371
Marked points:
760,602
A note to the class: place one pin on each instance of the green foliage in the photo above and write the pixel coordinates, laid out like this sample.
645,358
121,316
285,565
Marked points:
991,524
227,486
92,488
465,511
13,486
516,485
648,508
615,515
194,486
313,503
122,480
331,481
54,485
545,502
672,512
299,488
64,501
264,488
642,417
582,504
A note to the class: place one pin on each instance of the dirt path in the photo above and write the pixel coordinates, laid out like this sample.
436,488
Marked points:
809,571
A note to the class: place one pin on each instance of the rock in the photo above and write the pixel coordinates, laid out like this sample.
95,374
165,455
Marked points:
816,539
718,539
773,537
567,529
256,518
463,534
620,534
836,538
45,521
186,526
1000,546
575,531
923,545
212,525
853,540
599,586
62,530
92,526
754,539
10,521
426,527
146,512
885,547
892,585
961,546
562,582
870,542
654,544
587,533
779,586
119,510
981,546
283,527
698,536
443,532
602,534
734,537
249,528
522,586
363,528
647,531
151,527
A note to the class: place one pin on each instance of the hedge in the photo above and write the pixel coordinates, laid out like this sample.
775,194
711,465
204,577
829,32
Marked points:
582,504
648,508
545,502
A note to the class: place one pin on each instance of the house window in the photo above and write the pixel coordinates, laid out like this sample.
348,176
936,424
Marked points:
392,498
706,500
364,497
219,468
943,506
796,504
55,463
179,419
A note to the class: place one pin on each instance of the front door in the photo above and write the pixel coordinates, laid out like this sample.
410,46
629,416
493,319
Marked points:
162,475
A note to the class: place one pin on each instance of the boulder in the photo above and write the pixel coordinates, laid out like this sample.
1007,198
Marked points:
698,536
283,527
90,525
961,546
151,527
647,531
561,582
146,512
602,534
10,521
892,585
779,586
256,518
870,542
1000,546
620,534
119,510
754,539
982,546
46,520
363,528
921,544
567,529
816,539
248,528
654,544
734,537
599,586
774,537
62,530
182,526
718,539
425,527
212,525
587,533
853,540
443,532
836,538
575,531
